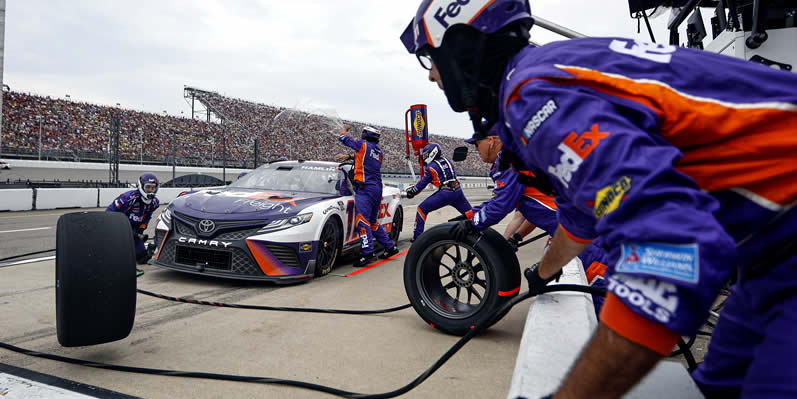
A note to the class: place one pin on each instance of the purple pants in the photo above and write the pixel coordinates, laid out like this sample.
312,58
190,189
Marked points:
367,201
441,198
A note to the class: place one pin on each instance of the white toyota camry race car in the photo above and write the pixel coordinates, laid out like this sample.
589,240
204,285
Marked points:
284,221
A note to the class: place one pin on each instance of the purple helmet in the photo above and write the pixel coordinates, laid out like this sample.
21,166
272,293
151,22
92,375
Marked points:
148,186
430,152
371,134
470,43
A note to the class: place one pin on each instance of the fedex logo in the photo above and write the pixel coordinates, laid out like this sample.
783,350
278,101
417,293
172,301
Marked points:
443,13
452,10
575,148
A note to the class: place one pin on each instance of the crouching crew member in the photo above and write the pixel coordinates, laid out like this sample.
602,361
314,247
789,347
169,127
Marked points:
138,205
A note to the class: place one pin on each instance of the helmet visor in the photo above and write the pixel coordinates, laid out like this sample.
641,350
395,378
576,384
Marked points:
150,188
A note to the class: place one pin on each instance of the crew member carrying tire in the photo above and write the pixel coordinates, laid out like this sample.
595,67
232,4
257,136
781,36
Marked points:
439,171
368,193
138,205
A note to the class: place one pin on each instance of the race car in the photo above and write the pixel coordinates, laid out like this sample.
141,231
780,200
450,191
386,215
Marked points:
285,221
4,165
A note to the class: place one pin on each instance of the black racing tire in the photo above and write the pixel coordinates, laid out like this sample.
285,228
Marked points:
454,285
397,224
95,278
329,247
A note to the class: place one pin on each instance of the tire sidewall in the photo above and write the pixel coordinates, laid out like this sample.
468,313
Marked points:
324,270
501,270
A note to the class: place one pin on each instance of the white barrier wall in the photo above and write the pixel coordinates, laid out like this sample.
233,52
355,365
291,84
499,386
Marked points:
558,325
16,199
52,198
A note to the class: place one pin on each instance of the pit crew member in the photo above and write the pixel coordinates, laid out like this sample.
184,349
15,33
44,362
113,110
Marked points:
682,161
439,171
138,205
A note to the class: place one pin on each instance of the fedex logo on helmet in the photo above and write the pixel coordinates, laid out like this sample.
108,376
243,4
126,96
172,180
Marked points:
443,13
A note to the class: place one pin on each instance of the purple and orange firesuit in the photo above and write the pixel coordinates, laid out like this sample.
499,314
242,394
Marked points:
685,164
441,174
137,211
367,193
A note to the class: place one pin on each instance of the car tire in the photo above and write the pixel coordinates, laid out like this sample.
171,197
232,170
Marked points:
95,278
397,224
454,285
329,246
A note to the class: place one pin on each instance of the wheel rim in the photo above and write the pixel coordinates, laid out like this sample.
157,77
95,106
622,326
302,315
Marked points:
328,245
398,220
452,279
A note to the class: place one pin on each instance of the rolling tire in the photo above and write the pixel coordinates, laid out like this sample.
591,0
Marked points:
454,285
330,244
95,278
397,224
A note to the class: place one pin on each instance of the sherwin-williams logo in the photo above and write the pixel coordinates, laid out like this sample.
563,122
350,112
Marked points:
608,198
677,262
575,148
419,123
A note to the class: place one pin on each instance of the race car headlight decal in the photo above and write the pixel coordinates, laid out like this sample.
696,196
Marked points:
166,217
286,223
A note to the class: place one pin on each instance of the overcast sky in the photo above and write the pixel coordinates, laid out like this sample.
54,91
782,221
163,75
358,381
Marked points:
342,54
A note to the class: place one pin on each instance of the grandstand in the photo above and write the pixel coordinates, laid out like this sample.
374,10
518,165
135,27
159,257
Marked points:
41,127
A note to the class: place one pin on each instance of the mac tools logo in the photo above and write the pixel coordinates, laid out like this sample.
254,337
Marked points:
443,13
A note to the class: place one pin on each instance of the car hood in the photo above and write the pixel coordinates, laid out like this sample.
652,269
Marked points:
232,204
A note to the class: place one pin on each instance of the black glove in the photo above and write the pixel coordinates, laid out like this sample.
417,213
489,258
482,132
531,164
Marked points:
537,283
142,237
514,241
411,192
461,229
458,218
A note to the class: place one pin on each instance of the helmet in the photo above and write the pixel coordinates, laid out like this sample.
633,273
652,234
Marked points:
430,152
371,134
148,186
470,43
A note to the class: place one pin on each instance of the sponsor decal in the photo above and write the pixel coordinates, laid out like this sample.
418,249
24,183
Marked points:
384,211
419,123
305,246
330,209
575,148
538,119
341,206
364,237
264,205
375,155
678,262
332,168
136,218
442,13
209,243
657,299
650,51
608,198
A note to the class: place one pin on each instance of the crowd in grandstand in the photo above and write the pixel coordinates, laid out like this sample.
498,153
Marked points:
81,131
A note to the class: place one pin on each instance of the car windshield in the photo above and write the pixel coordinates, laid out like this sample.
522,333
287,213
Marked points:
294,178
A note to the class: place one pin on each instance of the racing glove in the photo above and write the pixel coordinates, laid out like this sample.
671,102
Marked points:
537,283
411,192
514,241
461,229
142,237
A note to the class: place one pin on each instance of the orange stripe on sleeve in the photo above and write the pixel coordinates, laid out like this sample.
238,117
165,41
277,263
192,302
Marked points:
574,238
358,164
636,328
435,177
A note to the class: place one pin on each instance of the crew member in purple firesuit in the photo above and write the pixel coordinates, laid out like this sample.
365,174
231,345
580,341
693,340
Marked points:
138,205
368,193
537,208
681,160
439,171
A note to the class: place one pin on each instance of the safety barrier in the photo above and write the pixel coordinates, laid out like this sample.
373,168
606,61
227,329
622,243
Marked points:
558,325
54,198
16,199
